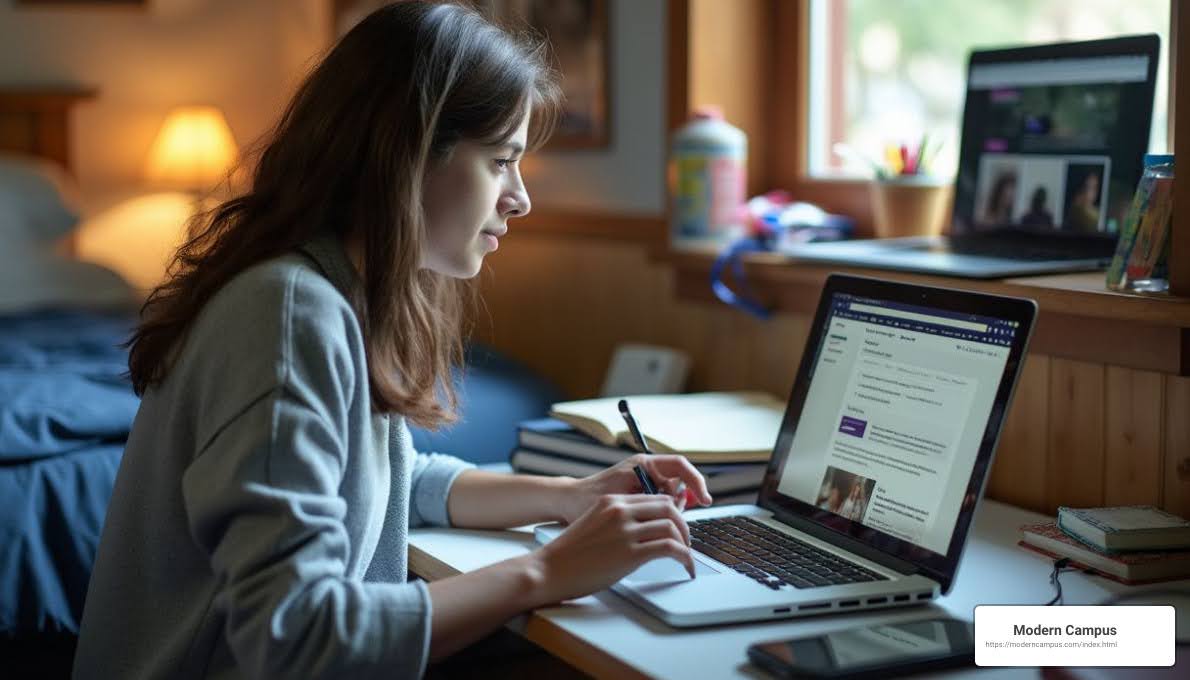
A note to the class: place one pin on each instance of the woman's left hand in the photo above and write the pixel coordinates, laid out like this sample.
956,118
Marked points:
673,475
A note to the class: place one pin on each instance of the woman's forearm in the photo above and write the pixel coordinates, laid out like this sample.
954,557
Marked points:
468,606
492,500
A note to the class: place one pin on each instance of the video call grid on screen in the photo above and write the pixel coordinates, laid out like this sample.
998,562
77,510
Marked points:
1053,146
894,416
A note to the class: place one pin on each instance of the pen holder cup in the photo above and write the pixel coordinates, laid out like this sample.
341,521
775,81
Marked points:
909,206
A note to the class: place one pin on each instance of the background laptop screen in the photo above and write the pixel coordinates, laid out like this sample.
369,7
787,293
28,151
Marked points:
897,406
1053,145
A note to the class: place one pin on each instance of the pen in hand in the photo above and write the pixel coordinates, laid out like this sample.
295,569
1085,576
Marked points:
645,483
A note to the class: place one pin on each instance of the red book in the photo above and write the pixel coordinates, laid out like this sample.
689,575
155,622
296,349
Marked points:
1130,568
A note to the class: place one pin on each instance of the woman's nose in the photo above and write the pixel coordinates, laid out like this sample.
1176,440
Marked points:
515,203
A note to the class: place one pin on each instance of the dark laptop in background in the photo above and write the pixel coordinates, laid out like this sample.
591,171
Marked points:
1052,146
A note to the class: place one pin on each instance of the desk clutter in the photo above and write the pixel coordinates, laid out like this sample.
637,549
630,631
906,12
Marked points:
727,435
1130,544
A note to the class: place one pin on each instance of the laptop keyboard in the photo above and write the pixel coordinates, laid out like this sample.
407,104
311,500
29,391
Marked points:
771,557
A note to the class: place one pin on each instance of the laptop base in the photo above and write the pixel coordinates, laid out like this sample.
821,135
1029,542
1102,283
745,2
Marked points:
720,595
934,255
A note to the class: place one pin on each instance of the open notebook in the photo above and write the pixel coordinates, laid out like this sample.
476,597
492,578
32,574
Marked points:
708,427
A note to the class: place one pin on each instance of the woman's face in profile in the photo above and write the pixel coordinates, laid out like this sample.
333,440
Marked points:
468,199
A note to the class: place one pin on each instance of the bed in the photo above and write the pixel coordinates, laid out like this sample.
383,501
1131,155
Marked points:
66,406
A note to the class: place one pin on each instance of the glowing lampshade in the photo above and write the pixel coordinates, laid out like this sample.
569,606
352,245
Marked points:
193,150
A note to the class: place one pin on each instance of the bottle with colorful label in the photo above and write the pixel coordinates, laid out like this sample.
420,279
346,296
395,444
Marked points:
1142,252
708,161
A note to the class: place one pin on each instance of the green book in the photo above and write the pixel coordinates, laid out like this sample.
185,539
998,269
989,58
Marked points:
1124,528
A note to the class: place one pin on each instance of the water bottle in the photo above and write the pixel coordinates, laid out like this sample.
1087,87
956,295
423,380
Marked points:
708,161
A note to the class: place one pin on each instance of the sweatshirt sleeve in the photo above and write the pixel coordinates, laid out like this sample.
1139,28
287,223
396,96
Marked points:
432,478
262,502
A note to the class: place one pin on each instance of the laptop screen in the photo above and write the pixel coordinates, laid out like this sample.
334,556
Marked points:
894,416
1054,137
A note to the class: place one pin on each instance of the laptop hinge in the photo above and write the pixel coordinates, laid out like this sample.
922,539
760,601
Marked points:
845,542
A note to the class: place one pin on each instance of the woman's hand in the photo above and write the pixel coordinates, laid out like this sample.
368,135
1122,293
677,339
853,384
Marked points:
674,475
614,537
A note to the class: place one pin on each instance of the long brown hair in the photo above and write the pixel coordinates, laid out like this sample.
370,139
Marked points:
348,157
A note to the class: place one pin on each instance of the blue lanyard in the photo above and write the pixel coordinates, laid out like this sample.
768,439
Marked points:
732,256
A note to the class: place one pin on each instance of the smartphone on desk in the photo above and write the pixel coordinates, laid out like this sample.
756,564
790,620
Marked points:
875,651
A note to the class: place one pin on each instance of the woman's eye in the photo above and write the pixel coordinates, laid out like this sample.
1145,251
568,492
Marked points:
504,162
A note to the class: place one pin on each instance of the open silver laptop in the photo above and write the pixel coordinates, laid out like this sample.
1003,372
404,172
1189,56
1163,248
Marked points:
881,457
1052,146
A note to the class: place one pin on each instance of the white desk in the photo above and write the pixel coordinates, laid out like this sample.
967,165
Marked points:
605,636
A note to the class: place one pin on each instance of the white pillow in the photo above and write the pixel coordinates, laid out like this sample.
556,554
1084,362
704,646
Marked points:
38,200
33,277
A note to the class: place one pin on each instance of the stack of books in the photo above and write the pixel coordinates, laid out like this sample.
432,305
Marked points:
728,436
1131,544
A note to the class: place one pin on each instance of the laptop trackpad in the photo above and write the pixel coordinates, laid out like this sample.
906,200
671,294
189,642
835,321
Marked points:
667,569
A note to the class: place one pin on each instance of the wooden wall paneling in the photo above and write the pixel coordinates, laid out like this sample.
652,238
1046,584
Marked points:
691,331
731,66
692,328
776,352
668,307
733,333
514,299
1019,474
532,308
543,222
1146,346
602,300
1134,404
594,310
635,295
562,305
1074,468
1177,446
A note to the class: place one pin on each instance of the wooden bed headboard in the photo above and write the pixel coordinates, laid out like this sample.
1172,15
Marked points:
37,121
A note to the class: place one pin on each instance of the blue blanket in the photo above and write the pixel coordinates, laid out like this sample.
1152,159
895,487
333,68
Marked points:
65,412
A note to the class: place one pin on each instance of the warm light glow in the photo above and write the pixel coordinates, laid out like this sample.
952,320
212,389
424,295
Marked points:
194,149
136,238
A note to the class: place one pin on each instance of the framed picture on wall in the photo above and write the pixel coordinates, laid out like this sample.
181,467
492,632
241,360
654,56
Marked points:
577,31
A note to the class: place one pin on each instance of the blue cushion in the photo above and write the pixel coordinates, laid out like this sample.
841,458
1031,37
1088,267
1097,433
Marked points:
495,393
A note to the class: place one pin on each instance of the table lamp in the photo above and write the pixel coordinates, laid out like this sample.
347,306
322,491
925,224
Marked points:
137,237
193,151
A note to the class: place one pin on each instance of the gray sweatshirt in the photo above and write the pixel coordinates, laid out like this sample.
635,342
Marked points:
259,522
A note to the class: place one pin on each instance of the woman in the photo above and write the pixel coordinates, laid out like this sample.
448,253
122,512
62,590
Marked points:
1039,214
258,527
1001,198
1082,214
856,505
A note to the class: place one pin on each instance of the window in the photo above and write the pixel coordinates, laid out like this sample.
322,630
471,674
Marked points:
888,71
